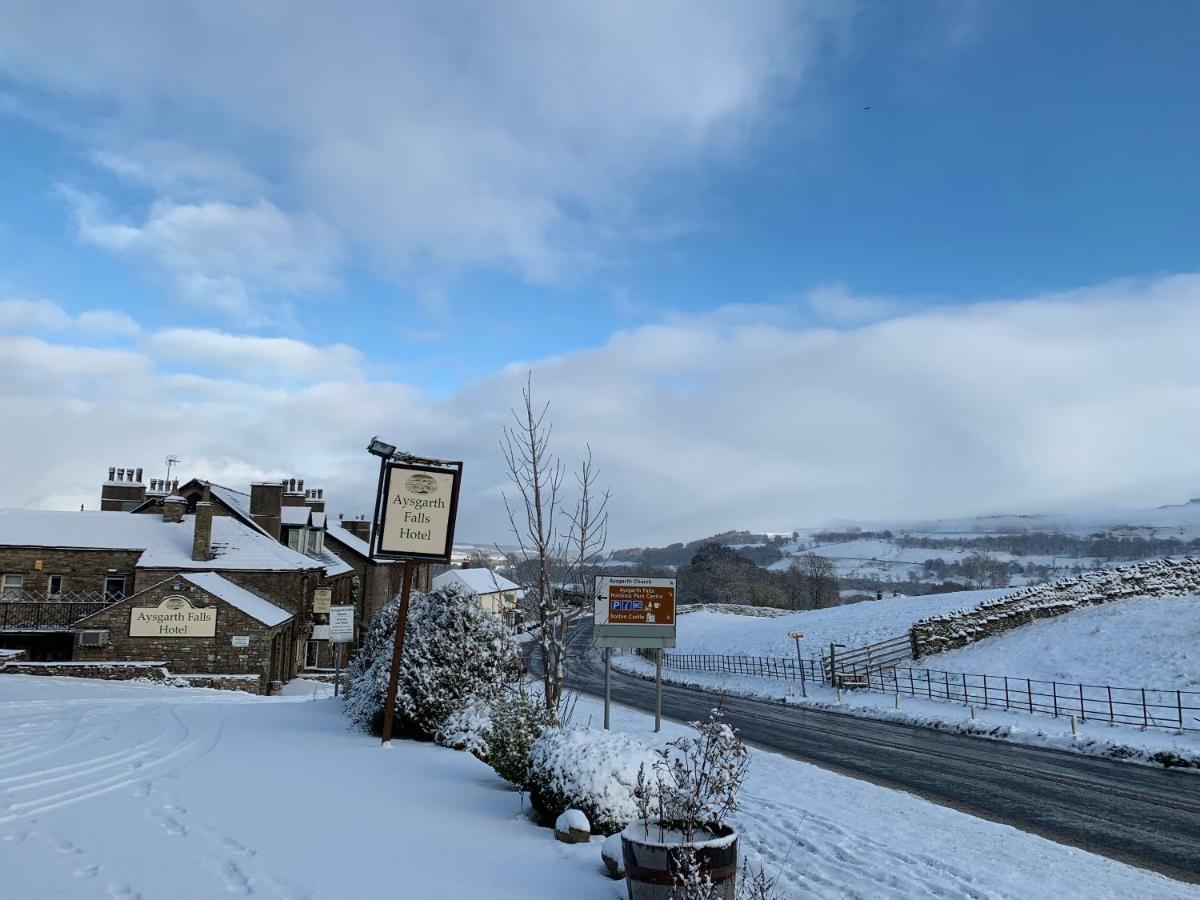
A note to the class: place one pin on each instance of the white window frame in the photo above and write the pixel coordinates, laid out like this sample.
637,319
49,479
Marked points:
124,585
50,591
296,539
8,588
316,540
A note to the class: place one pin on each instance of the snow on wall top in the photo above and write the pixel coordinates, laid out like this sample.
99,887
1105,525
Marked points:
477,581
164,545
240,598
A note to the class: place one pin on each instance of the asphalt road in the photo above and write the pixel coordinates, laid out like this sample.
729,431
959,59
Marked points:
1145,816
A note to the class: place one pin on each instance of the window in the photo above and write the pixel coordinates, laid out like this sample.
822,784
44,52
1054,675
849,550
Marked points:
114,587
295,536
316,541
54,585
11,585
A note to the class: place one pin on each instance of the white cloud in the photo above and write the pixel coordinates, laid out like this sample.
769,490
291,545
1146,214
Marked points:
437,135
1058,401
18,315
257,357
32,315
221,256
835,304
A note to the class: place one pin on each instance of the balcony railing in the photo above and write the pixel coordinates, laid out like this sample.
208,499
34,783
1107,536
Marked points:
28,611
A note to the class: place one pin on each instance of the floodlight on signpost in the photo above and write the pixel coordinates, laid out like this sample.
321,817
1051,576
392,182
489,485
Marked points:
381,448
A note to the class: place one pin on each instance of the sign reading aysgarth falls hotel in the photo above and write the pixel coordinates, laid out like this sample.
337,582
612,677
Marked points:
418,511
173,617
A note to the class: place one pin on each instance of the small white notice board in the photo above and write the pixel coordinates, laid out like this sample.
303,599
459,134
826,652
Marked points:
341,624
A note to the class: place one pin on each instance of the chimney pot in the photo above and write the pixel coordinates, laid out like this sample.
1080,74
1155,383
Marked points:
300,485
112,473
120,474
139,476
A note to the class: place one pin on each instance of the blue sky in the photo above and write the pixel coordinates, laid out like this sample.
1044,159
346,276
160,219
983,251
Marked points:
441,194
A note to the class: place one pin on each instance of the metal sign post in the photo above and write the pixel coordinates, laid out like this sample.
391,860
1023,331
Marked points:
634,612
341,631
796,635
415,511
607,683
658,689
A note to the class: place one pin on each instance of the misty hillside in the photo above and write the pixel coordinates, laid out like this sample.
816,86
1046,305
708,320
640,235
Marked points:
986,551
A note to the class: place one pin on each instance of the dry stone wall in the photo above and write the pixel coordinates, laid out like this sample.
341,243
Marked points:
1157,578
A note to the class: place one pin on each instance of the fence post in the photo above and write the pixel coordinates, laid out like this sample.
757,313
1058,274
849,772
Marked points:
912,688
1111,717
1054,694
1145,715
1082,708
1029,692
929,683
1179,708
985,694
946,676
1006,692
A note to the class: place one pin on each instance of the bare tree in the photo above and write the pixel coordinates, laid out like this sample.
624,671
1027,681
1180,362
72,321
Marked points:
552,555
818,582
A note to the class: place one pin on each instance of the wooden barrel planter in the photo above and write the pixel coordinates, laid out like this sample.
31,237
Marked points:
649,862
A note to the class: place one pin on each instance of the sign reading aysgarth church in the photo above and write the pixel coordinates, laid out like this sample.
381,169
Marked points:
173,617
418,510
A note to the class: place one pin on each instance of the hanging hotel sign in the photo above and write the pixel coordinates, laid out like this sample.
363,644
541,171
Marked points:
174,617
322,598
634,612
418,503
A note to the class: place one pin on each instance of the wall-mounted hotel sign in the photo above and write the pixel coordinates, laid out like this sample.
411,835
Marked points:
174,617
417,507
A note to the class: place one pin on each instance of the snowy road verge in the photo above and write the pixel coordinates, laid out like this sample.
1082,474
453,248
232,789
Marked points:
1151,746
829,836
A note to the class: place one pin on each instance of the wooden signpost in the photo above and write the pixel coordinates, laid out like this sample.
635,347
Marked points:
634,612
415,509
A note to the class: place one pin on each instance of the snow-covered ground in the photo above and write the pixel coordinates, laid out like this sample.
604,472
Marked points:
125,790
828,836
853,625
1151,642
1128,742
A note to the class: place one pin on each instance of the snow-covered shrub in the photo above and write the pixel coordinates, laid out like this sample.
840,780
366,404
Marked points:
517,720
456,654
468,729
592,771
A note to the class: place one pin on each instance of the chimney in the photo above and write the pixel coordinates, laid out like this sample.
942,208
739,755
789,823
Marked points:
314,500
293,492
119,493
266,500
139,476
202,536
173,508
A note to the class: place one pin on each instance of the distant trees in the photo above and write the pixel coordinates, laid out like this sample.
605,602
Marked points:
719,574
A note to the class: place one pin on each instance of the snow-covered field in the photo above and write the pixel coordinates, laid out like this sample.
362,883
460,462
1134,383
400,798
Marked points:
1149,642
853,625
125,790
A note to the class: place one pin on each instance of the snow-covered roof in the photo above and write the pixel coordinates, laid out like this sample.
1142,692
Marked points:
334,564
476,581
318,519
239,501
237,596
294,515
164,545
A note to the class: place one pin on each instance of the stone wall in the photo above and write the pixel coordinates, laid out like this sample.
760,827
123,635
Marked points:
82,570
1158,578
111,671
199,655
